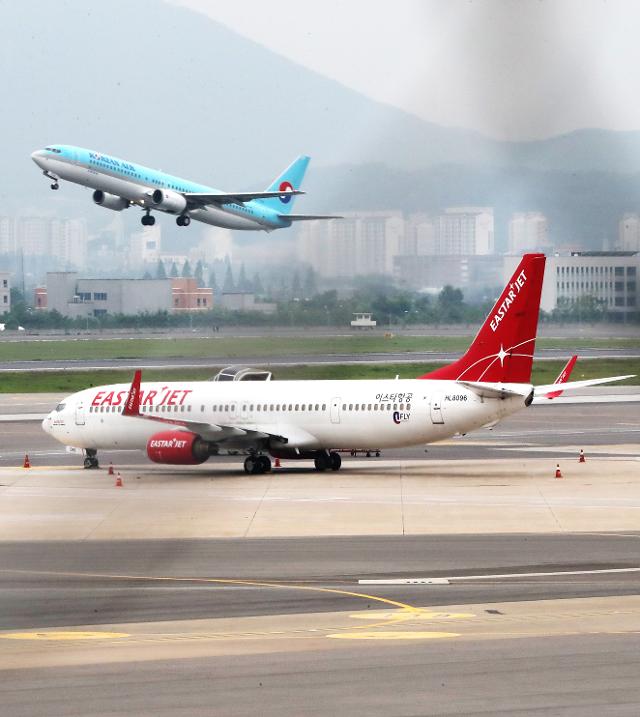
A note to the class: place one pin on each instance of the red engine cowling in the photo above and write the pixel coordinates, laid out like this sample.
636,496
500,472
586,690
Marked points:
177,448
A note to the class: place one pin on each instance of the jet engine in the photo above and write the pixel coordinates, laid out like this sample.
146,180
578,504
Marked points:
168,201
178,448
110,201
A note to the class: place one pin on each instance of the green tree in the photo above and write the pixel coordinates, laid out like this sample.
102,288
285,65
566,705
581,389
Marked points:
199,273
310,283
174,271
228,284
186,270
161,272
258,288
243,282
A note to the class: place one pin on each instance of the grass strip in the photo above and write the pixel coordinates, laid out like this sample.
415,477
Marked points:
69,381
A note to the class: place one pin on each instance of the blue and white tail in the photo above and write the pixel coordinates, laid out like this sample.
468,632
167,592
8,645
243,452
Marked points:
290,179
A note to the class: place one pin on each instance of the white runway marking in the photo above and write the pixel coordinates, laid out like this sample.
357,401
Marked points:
491,576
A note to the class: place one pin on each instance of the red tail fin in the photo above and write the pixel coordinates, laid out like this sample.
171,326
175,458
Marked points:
502,351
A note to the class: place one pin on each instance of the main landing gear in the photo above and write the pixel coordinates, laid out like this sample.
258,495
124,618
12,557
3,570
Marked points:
183,220
148,220
91,458
328,461
257,464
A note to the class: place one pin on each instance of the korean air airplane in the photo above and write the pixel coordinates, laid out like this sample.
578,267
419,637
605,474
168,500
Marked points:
187,422
119,184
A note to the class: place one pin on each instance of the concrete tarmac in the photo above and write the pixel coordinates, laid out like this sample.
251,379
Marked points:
497,588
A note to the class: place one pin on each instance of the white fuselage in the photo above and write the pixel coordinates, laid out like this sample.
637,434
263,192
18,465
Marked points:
312,415
137,188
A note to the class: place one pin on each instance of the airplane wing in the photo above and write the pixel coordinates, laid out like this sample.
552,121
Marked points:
541,393
308,217
217,433
202,199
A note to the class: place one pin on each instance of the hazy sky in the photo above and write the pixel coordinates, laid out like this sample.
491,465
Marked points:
512,69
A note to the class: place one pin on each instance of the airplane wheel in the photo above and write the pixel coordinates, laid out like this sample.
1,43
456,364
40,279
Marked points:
322,462
186,221
250,464
180,221
335,461
55,185
144,221
151,220
265,464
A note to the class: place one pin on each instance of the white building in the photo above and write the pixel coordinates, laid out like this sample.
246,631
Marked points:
5,292
145,246
362,243
68,242
466,230
528,231
7,235
610,277
629,233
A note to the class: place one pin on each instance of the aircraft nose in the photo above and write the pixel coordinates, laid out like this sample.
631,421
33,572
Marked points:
38,157
46,424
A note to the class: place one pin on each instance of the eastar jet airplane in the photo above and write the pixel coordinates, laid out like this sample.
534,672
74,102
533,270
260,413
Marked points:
185,423
119,184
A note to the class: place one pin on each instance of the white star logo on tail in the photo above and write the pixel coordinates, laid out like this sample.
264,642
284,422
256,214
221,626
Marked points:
501,355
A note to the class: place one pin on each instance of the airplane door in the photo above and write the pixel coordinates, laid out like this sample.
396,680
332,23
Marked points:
335,410
80,414
436,409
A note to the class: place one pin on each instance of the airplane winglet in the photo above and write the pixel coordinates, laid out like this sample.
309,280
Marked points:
563,377
132,404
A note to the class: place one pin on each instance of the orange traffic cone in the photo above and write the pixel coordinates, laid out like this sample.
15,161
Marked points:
27,463
582,459
119,480
277,463
558,471
110,469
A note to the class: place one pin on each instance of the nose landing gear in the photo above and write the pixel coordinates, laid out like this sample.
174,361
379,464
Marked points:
54,179
183,220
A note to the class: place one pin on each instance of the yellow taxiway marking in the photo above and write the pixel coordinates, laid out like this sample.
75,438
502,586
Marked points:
390,635
63,635
405,612
424,614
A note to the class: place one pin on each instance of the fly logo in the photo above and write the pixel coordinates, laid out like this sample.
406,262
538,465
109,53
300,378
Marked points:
515,287
399,417
167,443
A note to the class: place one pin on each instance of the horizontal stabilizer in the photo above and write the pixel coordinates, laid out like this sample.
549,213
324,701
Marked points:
573,385
496,390
308,217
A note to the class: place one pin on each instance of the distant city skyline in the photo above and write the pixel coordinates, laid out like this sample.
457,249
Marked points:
511,70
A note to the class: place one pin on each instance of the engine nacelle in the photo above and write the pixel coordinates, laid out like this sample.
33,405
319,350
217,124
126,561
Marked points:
110,201
178,448
168,201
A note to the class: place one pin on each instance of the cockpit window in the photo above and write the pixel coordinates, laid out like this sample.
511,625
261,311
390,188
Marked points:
53,149
61,407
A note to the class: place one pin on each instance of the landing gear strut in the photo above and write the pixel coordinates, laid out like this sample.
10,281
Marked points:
148,220
183,220
326,461
54,179
257,464
91,458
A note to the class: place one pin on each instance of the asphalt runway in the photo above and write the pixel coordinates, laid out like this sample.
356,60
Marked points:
215,363
166,628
